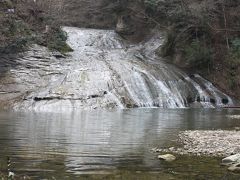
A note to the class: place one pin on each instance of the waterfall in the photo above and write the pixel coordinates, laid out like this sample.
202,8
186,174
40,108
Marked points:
105,71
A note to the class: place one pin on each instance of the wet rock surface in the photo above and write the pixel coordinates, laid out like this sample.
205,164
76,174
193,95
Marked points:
26,73
104,71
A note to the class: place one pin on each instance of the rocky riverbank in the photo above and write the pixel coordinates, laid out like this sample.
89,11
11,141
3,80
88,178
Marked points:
208,143
216,143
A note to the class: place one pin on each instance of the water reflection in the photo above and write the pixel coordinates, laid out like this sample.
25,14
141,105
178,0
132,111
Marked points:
83,142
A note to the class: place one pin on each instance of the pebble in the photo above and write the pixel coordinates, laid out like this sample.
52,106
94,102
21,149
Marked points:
167,157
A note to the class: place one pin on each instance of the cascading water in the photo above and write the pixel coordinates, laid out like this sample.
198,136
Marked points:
105,71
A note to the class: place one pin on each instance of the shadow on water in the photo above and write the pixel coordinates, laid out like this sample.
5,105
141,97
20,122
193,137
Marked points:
107,145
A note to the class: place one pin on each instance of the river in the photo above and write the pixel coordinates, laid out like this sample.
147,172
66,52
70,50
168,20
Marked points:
107,144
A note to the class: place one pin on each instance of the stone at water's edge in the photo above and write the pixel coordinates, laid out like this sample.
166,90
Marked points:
167,157
231,159
233,162
104,71
234,116
235,167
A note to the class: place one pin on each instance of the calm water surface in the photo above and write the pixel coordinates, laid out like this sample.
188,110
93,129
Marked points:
106,145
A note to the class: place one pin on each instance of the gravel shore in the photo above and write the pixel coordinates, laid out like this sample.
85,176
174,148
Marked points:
210,143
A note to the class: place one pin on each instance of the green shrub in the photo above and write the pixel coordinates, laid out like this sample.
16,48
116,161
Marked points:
56,40
152,4
15,46
198,55
27,26
233,58
233,63
236,44
168,46
236,47
15,35
232,82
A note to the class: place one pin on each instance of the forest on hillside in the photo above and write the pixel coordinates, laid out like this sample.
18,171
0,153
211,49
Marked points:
24,22
202,36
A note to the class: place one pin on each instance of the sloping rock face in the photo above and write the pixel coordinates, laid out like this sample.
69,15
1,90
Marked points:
104,71
26,73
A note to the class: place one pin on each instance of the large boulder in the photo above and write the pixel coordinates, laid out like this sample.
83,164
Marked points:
231,159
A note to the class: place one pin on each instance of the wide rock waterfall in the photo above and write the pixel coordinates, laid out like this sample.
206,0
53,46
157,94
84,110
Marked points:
105,71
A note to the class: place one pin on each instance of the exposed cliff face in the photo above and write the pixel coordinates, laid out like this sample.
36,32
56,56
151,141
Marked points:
125,16
24,73
104,71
